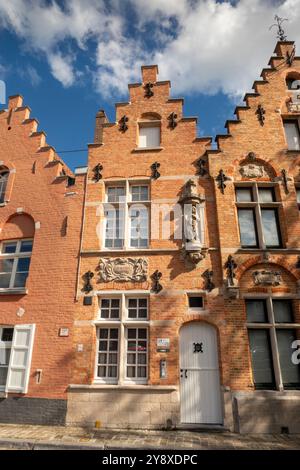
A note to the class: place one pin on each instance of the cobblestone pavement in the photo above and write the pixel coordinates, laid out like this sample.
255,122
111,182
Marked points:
43,437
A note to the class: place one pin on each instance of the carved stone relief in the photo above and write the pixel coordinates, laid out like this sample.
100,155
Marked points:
123,269
252,171
268,278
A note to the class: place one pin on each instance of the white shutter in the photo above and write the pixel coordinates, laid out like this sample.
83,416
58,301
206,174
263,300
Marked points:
292,135
149,136
20,359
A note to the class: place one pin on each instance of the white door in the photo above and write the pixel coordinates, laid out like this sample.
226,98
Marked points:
200,395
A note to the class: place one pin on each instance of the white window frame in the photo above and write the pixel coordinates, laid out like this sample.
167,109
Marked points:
4,175
126,205
149,124
15,256
272,326
122,324
5,345
297,122
257,205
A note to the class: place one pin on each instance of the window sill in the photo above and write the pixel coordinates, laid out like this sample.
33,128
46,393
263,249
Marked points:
18,291
97,386
147,149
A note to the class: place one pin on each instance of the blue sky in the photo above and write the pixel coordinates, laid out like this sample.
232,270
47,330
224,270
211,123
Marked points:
68,59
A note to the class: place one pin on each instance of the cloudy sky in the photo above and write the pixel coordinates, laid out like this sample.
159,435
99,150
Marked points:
69,58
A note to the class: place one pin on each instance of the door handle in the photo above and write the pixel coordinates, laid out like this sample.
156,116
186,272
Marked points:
181,373
185,373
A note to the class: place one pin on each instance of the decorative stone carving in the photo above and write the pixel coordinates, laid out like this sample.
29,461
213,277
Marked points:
123,269
231,283
252,171
268,278
194,256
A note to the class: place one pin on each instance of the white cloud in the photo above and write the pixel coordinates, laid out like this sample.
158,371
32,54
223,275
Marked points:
30,73
201,45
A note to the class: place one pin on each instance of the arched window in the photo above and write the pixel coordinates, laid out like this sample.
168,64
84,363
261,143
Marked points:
4,173
293,81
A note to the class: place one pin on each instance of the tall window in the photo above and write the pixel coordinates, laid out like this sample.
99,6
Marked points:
122,340
6,336
4,173
14,263
258,216
272,332
149,135
292,134
127,216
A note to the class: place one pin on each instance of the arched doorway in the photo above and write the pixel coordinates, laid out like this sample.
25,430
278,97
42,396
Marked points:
200,395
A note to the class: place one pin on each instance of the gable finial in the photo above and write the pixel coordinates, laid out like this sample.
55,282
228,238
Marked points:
280,32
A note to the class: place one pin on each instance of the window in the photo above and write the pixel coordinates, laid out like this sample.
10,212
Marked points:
6,336
149,135
298,196
16,345
127,216
195,302
14,263
292,134
293,83
122,333
4,173
257,211
272,331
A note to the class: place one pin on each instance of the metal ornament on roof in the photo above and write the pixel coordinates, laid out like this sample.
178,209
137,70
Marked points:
123,123
260,112
172,120
201,163
221,178
154,169
280,32
148,90
97,172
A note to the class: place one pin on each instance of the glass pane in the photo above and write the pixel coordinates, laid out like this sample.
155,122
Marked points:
283,312
143,302
256,311
142,346
6,265
26,246
290,372
113,345
7,334
266,195
103,333
142,333
142,372
103,345
130,372
4,356
104,313
102,371
270,227
247,227
244,194
132,302
114,333
292,135
195,302
3,376
104,303
4,281
9,247
131,346
132,313
298,195
142,358
114,313
131,358
115,303
113,358
143,313
112,371
20,280
131,333
139,193
115,194
149,136
102,358
261,358
23,265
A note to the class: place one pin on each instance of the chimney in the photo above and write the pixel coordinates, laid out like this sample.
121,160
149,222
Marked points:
149,73
101,119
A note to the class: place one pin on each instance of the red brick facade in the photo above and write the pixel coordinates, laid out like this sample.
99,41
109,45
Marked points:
40,204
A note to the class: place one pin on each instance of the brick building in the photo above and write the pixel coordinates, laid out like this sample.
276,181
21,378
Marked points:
188,307
40,224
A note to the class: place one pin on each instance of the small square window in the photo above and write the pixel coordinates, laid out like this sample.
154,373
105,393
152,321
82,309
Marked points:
244,194
195,302
7,334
